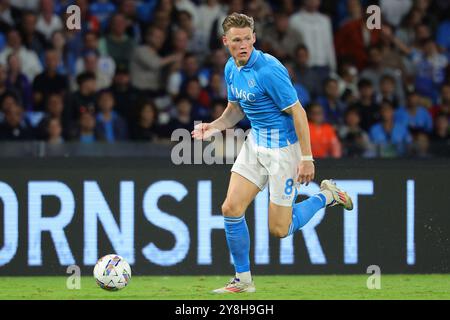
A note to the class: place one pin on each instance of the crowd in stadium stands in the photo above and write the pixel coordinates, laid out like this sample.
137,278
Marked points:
137,70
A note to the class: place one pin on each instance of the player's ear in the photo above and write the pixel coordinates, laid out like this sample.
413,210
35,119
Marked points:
254,37
224,40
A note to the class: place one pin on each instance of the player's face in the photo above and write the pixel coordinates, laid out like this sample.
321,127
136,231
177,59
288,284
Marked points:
239,42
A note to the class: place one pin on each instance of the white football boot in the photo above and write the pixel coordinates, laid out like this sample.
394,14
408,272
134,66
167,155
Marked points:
236,286
340,197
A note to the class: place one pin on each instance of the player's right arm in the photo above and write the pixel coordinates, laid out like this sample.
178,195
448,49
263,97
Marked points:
229,118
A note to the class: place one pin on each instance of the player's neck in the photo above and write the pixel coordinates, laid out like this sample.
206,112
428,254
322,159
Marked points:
240,63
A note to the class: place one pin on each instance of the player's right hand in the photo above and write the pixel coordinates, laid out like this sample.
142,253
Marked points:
203,131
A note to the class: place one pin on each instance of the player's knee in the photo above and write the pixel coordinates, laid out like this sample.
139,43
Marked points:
230,209
279,231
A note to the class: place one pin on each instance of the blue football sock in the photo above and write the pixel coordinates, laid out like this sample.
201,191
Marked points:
303,211
238,239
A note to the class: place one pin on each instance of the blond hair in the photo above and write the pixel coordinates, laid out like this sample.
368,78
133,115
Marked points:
237,20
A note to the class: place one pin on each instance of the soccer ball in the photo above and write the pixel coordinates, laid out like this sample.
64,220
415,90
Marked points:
112,272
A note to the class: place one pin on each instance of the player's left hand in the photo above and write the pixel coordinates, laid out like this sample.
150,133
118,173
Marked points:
305,172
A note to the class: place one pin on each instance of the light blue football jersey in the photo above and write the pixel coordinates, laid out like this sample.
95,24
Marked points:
263,89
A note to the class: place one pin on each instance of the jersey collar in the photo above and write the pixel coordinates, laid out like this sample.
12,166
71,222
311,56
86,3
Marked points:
251,61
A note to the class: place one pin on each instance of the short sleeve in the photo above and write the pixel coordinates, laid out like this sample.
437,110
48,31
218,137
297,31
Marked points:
277,84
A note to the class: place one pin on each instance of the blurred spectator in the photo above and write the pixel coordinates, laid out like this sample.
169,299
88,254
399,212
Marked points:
91,41
197,40
443,33
355,141
125,95
73,48
116,43
347,82
32,5
376,70
32,39
189,6
129,9
84,132
279,39
4,90
218,106
217,88
198,97
333,107
414,115
420,146
49,81
48,22
66,58
430,69
317,33
147,64
146,127
110,126
394,11
429,65
261,12
102,10
368,109
9,16
83,100
347,10
360,37
54,110
54,131
390,55
324,141
302,93
181,118
391,136
407,30
444,104
215,64
162,21
440,137
14,127
387,91
428,17
89,22
9,99
308,76
103,68
105,65
18,82
422,32
287,6
209,11
180,42
190,68
31,66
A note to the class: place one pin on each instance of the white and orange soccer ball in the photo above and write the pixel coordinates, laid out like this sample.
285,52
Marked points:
112,272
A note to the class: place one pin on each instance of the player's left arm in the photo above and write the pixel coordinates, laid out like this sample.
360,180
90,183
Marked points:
278,86
305,169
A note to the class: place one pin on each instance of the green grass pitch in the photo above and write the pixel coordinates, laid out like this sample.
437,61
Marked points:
302,287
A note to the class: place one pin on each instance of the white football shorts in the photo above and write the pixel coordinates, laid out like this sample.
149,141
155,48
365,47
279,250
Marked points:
274,166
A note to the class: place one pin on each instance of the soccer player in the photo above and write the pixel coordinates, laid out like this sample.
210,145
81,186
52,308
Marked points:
277,151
